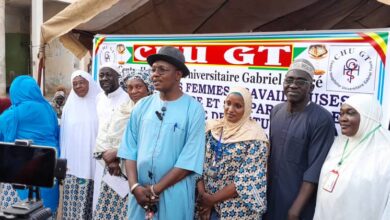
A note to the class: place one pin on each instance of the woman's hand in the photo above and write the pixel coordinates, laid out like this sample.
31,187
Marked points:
204,213
206,200
205,204
200,187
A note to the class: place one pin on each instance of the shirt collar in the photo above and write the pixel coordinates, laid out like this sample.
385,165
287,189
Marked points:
115,93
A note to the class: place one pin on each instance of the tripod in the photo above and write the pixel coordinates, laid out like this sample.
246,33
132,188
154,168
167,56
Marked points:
30,209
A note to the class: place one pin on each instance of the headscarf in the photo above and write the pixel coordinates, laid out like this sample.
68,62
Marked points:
370,113
58,94
30,115
143,75
364,173
55,105
77,144
245,129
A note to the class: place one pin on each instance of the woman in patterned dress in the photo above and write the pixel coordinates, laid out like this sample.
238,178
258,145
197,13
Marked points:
78,135
233,185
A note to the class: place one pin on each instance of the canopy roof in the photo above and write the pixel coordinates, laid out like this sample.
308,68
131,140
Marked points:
89,17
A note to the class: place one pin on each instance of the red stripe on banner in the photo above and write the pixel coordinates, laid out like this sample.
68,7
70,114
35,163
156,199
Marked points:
100,41
376,46
260,54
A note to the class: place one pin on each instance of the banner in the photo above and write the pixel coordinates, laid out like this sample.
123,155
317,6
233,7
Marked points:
345,63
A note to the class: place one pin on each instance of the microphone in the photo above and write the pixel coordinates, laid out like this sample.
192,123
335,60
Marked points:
159,115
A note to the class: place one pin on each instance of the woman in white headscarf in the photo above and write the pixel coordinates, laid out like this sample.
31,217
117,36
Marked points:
77,140
234,182
355,177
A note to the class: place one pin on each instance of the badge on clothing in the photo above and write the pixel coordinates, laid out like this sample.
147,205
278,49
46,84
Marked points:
330,181
212,171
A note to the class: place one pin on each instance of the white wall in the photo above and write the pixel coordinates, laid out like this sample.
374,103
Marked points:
60,62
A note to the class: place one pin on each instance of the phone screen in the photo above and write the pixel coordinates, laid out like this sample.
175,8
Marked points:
27,165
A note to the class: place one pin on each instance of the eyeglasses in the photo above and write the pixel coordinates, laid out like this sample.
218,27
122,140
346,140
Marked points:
297,82
161,70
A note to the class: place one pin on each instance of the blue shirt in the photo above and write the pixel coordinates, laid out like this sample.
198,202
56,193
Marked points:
300,142
178,140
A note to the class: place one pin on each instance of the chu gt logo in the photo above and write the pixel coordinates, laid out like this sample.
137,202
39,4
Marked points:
352,69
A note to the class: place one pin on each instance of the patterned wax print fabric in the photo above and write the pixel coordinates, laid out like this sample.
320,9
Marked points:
8,195
178,140
143,75
244,164
31,117
107,105
300,142
77,202
110,205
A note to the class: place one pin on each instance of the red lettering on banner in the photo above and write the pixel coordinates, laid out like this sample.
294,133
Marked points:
248,55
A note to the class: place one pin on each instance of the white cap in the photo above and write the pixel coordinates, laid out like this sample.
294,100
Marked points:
112,66
304,65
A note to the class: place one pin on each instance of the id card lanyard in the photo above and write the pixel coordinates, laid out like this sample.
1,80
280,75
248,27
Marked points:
218,150
333,175
345,156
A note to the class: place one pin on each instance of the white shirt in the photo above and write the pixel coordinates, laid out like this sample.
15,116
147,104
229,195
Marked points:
106,106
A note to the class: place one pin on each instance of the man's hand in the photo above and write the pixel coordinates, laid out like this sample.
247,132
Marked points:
114,168
292,215
144,196
109,155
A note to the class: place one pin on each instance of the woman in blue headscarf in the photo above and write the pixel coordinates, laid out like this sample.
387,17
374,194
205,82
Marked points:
29,117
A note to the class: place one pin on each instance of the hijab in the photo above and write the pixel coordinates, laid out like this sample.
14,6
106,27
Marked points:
143,75
370,118
77,144
57,95
245,129
363,175
30,115
58,107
